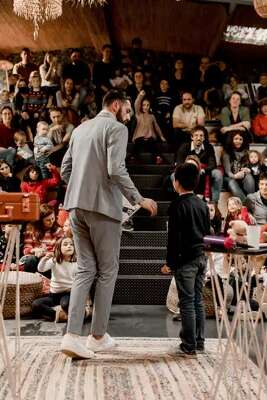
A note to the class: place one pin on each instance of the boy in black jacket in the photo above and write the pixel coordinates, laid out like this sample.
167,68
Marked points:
188,224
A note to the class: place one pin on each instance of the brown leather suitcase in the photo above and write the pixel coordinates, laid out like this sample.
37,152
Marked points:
19,207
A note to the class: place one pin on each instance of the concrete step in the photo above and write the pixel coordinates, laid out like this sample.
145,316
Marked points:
144,238
143,253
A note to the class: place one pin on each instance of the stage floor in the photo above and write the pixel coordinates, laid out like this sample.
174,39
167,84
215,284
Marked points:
136,321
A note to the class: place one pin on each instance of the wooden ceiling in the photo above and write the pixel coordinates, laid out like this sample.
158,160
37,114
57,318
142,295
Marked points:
188,27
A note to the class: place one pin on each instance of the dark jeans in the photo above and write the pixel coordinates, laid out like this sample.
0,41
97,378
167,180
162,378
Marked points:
190,282
43,306
241,187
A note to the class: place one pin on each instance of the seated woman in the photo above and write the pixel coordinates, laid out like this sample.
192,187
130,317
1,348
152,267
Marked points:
235,116
259,123
40,238
238,176
234,86
68,98
50,72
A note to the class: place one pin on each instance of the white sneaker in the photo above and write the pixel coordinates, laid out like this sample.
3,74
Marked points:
72,347
105,343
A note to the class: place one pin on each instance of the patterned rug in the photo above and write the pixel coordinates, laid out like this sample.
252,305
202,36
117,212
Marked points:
138,369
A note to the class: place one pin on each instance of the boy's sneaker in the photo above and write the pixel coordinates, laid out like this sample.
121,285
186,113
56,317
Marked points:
200,349
103,344
184,352
72,347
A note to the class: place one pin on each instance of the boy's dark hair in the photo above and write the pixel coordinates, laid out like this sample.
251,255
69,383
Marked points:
112,96
187,175
263,176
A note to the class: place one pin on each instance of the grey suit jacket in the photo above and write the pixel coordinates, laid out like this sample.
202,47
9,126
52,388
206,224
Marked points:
94,167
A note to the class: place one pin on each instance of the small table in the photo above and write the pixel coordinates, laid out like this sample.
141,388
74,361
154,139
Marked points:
243,331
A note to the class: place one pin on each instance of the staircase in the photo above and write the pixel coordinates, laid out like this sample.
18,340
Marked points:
143,251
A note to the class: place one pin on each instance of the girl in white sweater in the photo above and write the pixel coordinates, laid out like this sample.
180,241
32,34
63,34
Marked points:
63,266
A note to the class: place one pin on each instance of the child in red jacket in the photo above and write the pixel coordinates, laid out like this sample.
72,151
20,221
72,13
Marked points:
33,182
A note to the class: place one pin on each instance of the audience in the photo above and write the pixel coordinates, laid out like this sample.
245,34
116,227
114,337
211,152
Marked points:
46,102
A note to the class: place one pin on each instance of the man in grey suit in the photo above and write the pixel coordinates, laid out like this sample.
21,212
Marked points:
94,168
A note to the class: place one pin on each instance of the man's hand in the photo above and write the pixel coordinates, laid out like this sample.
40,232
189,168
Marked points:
150,205
165,270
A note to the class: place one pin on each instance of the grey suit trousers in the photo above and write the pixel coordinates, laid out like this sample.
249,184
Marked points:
97,243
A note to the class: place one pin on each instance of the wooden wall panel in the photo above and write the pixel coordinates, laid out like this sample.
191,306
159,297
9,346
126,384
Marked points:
184,27
77,27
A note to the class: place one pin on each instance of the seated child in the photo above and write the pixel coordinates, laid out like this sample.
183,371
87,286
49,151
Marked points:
32,181
63,265
24,155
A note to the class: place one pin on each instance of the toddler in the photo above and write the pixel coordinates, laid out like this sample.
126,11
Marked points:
255,165
42,146
23,149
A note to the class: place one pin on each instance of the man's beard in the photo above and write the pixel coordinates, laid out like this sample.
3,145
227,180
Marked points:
119,116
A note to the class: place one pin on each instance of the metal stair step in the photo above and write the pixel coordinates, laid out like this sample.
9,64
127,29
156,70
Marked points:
147,223
144,181
143,253
140,267
161,147
144,238
141,289
151,169
148,158
163,207
158,194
